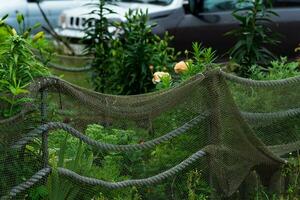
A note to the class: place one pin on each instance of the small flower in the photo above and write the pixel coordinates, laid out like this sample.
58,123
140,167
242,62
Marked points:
180,67
151,67
141,141
158,75
14,32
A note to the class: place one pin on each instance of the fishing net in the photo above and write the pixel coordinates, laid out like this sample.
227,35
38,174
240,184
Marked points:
210,137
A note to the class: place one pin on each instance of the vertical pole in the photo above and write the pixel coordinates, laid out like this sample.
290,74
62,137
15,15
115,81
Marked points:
215,128
45,134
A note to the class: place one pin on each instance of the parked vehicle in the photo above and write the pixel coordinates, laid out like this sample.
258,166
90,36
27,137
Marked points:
30,10
204,21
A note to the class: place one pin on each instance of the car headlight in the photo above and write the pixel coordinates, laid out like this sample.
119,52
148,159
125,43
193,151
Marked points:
63,21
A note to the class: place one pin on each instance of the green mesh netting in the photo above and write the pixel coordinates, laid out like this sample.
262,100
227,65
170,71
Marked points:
210,135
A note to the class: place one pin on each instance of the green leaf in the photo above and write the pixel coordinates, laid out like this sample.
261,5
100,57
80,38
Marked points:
20,18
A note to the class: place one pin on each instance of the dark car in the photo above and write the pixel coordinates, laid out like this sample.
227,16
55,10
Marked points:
204,21
213,18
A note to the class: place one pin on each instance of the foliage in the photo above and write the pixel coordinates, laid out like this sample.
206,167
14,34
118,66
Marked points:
18,67
115,166
4,29
297,49
291,171
123,56
100,43
45,48
198,189
15,171
76,156
202,60
141,48
165,82
279,69
254,35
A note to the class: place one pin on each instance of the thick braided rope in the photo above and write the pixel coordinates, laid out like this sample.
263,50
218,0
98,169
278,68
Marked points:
76,57
105,146
43,173
282,149
134,182
119,105
272,115
110,185
66,68
63,56
69,69
256,83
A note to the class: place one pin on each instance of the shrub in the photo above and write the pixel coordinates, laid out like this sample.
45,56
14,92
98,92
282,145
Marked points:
18,67
142,49
122,57
254,35
99,42
279,69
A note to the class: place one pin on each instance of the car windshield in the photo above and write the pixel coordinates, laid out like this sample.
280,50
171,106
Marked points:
160,2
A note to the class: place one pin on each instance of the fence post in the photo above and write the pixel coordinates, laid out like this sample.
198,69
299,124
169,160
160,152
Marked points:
215,127
43,110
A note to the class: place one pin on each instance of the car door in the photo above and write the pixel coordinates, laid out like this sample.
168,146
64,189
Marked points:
208,26
288,24
52,9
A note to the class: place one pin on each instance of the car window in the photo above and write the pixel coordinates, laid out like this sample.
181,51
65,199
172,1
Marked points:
222,5
286,3
160,2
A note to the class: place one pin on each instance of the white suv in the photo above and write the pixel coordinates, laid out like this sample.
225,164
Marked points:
30,10
71,24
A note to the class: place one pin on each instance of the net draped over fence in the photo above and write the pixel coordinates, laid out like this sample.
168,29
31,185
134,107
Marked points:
223,126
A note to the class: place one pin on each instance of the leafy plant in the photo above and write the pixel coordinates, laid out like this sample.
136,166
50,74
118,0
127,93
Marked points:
4,29
100,43
122,57
291,171
17,170
141,49
198,189
18,67
254,35
76,156
45,49
165,81
279,69
202,60
297,49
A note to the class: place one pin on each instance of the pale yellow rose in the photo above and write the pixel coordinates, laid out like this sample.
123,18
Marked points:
158,75
180,67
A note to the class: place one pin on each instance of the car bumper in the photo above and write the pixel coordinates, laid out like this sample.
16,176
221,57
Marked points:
70,33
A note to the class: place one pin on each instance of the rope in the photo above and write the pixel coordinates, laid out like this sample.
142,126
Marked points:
282,149
256,83
28,183
76,57
271,116
69,69
110,185
106,146
134,182
64,57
